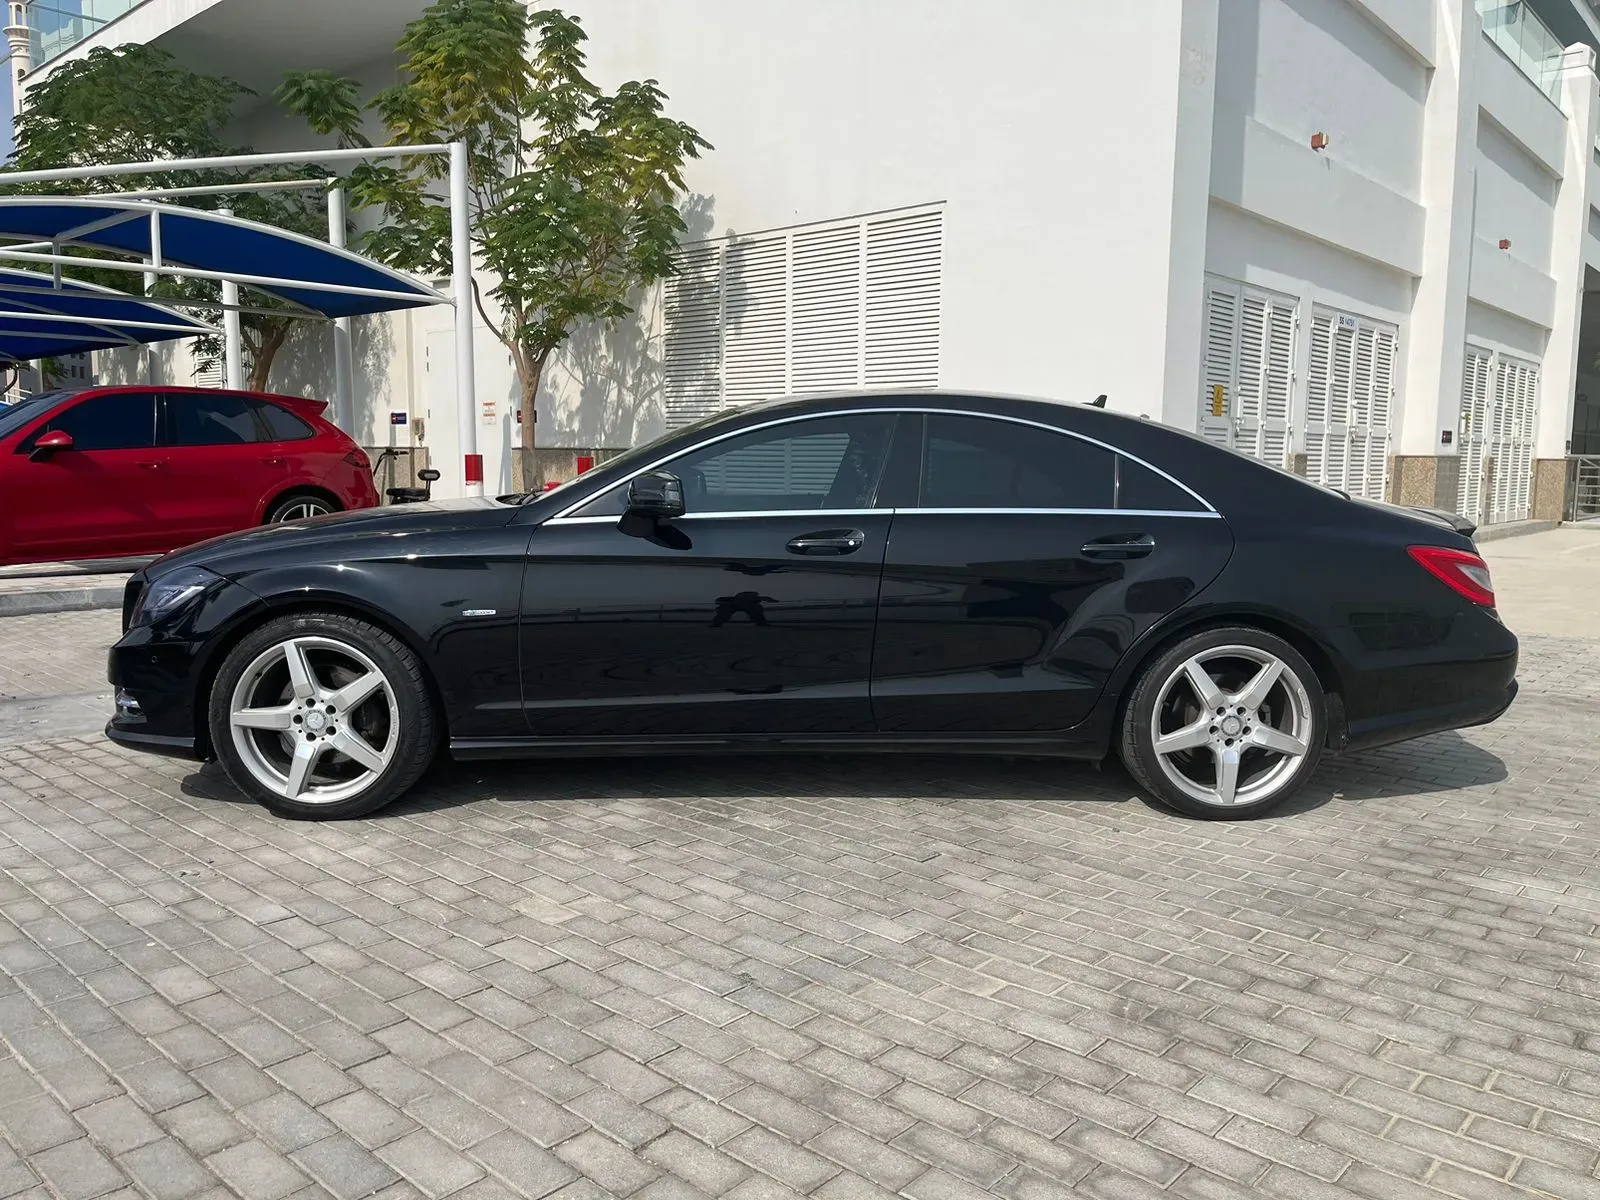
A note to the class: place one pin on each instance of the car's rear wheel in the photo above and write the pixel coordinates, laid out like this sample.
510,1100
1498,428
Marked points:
322,716
300,507
1226,724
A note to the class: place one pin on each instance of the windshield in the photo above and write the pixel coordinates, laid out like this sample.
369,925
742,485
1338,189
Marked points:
23,412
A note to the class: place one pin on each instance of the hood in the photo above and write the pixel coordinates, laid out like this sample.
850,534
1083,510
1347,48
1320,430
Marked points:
337,534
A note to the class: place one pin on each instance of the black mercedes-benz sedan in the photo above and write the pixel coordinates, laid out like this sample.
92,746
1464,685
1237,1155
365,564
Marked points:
923,572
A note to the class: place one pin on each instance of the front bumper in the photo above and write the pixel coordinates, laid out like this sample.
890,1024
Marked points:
126,733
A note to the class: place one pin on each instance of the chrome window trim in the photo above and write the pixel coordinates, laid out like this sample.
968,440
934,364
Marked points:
911,512
564,516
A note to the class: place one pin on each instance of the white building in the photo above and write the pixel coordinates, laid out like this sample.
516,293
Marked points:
1354,237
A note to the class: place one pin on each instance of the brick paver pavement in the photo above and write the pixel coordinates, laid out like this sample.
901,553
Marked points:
837,978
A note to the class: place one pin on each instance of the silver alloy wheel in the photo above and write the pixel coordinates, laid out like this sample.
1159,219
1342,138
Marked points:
305,506
1231,725
314,720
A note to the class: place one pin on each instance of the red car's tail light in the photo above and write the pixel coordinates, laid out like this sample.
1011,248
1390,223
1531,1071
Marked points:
1465,574
358,458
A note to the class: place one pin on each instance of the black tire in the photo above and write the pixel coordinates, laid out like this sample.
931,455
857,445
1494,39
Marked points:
286,508
416,732
1301,709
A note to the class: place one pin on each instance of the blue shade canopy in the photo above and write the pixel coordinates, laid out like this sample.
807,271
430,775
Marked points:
28,299
212,242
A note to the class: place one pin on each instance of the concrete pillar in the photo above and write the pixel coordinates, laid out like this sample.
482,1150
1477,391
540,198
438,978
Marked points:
1425,470
1191,198
1558,374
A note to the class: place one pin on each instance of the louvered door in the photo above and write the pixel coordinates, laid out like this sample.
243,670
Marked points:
1219,372
1511,425
1350,402
1249,356
905,264
1473,432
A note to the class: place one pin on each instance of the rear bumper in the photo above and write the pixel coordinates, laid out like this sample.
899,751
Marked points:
1484,708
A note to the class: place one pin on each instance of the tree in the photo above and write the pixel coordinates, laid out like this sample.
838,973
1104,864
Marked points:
134,103
573,188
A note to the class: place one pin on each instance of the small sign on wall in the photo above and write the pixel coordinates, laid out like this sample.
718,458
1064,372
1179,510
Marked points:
397,418
1219,403
488,412
1446,436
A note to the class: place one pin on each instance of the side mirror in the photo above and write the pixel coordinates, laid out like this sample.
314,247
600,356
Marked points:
657,495
428,475
50,443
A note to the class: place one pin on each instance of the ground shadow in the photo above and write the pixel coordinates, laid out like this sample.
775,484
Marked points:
1409,769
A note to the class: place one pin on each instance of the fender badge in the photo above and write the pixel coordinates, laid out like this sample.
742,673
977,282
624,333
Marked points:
477,612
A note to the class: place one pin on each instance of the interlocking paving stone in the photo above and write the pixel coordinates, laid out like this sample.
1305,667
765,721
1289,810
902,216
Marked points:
835,978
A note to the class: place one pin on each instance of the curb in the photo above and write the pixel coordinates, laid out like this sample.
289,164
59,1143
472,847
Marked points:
59,600
1511,529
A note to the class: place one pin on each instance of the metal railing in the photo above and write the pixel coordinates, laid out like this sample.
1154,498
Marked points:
1526,41
1583,487
59,25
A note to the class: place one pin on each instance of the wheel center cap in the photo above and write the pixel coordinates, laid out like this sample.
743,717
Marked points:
315,721
1232,726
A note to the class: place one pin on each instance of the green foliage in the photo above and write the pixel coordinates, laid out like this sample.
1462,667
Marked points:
574,189
134,103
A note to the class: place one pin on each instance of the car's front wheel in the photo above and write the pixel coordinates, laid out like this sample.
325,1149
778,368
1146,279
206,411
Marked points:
1226,724
322,716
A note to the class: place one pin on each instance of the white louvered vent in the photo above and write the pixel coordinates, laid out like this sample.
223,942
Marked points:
838,305
693,345
213,376
1220,371
905,264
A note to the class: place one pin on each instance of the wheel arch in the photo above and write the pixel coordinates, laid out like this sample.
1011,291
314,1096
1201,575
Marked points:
287,606
295,490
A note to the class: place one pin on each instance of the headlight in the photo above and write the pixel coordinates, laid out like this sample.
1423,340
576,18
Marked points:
171,594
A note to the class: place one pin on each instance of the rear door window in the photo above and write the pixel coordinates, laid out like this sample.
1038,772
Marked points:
281,424
980,462
207,420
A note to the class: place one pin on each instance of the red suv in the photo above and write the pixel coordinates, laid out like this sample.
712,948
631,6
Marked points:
140,470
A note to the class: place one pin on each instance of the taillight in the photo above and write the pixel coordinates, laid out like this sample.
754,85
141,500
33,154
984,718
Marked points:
358,458
1465,574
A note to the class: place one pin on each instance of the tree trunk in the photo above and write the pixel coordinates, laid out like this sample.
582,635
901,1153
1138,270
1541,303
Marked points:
532,477
272,339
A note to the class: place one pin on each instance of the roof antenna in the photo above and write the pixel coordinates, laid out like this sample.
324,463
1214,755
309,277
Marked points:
1099,401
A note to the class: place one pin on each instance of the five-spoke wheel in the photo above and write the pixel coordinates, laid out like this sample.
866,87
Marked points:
322,715
299,508
1227,723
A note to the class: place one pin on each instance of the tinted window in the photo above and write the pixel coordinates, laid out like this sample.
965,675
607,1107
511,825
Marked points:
211,420
829,462
973,462
121,421
1140,487
282,425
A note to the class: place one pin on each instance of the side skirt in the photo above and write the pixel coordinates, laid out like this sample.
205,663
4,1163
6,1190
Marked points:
921,743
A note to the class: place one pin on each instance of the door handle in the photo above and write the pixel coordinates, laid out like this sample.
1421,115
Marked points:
272,462
828,541
1120,546
151,466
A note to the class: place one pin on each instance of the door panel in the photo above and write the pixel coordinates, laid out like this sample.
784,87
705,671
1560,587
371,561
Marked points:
1011,623
97,498
221,468
710,625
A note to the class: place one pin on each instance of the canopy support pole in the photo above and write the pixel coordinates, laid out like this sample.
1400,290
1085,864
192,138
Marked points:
232,331
466,357
344,372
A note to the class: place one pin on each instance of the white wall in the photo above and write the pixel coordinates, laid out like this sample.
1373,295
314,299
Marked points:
1516,197
1305,66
